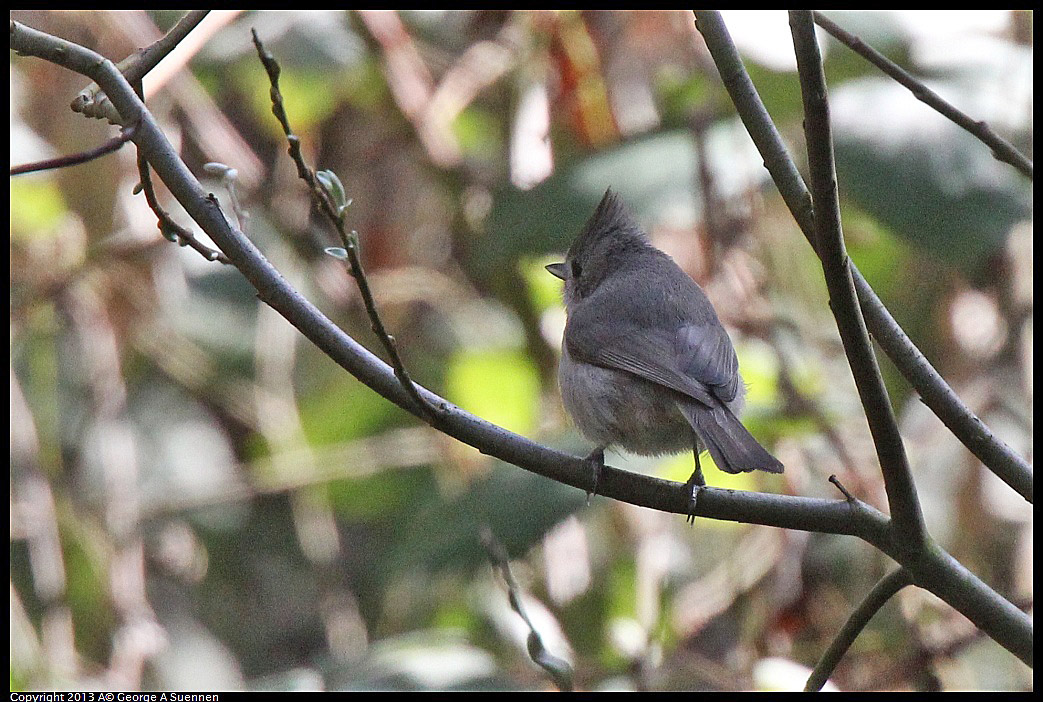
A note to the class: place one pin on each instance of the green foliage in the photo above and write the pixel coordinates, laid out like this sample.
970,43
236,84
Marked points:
518,507
479,133
344,410
501,385
37,207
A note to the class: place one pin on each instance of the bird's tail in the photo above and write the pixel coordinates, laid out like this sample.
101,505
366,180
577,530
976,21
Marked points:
732,447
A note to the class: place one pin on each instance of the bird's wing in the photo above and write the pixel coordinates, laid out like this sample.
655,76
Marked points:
695,359
705,352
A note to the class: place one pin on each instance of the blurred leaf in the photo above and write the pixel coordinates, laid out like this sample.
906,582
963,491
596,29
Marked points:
679,468
682,94
479,132
759,368
37,206
422,660
518,506
653,174
86,569
880,30
780,92
923,177
621,581
342,408
388,495
876,251
545,289
307,96
501,386
783,675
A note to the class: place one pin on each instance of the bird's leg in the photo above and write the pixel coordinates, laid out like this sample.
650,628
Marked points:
597,461
695,485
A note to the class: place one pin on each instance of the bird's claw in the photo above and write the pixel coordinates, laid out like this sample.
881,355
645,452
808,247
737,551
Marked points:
695,485
693,501
597,460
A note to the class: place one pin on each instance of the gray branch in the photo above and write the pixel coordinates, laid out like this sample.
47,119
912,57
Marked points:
894,464
933,569
881,593
1002,149
910,361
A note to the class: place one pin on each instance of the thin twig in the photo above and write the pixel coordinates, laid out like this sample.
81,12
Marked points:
559,669
1002,149
322,199
859,619
840,486
170,229
937,571
843,301
108,147
910,361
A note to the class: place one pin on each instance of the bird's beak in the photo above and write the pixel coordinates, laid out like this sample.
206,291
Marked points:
557,270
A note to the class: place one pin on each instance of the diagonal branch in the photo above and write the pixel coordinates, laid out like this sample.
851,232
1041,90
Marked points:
558,669
877,598
171,230
322,199
910,361
936,570
898,479
1002,149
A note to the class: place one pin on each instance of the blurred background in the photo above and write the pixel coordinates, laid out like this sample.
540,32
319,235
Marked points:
201,500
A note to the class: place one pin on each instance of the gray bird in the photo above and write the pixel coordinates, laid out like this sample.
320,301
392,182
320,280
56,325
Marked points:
645,363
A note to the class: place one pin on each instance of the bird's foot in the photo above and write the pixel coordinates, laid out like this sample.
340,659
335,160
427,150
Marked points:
696,484
597,461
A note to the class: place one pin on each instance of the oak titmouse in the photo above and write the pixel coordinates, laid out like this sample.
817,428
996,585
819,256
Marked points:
645,363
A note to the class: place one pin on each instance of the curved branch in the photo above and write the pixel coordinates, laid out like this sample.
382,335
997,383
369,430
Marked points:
558,669
877,598
936,570
827,516
910,361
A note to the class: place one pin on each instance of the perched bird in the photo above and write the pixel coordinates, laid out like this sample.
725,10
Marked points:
645,362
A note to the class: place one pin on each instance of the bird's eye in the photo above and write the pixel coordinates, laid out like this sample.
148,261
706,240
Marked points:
575,269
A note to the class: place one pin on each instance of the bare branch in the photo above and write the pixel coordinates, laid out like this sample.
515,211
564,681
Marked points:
558,669
898,479
910,361
170,229
859,619
92,102
108,147
1002,149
